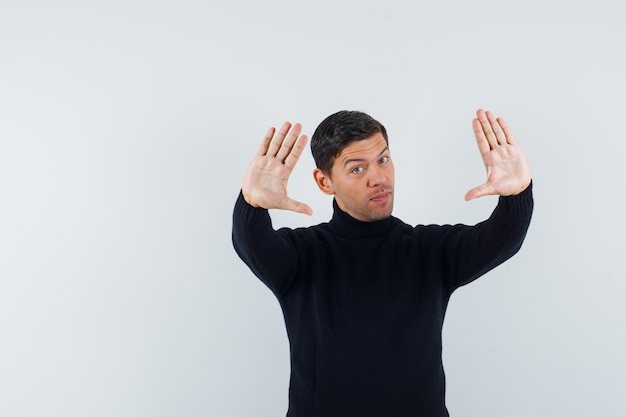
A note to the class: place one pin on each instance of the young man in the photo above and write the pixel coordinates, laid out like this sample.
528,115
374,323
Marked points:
364,296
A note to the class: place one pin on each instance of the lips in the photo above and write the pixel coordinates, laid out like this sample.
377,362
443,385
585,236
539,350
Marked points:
383,196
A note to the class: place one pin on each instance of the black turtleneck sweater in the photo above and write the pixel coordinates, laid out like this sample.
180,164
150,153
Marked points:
364,303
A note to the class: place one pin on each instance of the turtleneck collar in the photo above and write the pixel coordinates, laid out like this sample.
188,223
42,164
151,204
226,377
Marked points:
345,225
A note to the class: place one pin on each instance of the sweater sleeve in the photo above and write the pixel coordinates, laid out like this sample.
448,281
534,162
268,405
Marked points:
471,251
271,255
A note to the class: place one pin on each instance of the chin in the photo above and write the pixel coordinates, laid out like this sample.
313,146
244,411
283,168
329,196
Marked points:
381,215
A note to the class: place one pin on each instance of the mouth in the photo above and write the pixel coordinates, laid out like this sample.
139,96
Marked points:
381,197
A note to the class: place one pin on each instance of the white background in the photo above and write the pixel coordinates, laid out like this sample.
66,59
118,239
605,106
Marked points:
125,129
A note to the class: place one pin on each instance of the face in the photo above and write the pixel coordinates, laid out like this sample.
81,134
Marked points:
361,179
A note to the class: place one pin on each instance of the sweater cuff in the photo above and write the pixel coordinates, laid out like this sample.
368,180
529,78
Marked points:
522,202
248,212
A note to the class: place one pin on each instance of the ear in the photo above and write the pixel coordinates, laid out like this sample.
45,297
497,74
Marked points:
323,181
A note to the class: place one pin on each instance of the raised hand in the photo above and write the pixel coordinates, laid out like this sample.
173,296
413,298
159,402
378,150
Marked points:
265,181
507,168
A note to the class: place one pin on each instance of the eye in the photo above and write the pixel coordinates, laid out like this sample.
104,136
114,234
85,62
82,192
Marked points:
357,170
384,160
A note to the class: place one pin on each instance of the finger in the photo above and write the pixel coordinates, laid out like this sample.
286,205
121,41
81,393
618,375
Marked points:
293,205
507,131
285,147
277,141
497,129
296,151
266,142
486,126
480,191
481,140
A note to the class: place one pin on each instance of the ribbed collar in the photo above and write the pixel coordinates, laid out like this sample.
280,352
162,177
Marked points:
347,226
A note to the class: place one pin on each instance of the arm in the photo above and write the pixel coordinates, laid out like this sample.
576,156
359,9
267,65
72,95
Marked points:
473,250
270,254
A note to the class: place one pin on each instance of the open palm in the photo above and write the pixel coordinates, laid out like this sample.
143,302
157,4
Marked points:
265,181
507,168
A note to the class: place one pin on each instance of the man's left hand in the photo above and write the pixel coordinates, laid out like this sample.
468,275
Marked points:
507,168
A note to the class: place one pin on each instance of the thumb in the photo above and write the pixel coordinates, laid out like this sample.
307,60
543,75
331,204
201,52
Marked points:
297,206
480,191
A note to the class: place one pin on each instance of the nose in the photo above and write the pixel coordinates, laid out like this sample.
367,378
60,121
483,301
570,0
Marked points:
377,177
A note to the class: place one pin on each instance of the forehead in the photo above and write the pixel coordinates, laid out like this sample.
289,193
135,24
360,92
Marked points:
364,149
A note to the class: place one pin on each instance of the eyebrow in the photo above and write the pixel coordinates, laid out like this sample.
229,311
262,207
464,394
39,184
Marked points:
348,161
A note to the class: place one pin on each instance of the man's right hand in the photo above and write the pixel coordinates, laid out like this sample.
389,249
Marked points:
265,182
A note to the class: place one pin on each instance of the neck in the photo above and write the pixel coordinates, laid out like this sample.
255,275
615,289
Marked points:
345,225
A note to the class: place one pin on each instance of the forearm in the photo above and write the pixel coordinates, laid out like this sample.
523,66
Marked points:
269,254
473,251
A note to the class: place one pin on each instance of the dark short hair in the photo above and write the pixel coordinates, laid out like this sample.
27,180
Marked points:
337,131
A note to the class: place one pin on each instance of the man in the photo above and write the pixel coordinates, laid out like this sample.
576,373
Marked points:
364,296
